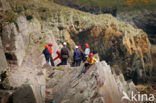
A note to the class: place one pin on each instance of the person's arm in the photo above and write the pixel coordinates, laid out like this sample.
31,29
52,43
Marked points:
56,58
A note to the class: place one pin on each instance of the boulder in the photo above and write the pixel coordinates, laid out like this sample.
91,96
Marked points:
28,94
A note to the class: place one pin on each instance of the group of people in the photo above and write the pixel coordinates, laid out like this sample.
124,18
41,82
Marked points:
63,55
79,56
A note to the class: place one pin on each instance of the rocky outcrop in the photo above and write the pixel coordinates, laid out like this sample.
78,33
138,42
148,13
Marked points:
15,38
97,85
119,44
3,62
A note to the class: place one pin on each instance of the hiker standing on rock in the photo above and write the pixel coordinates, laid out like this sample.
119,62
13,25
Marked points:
77,57
50,50
48,54
64,54
86,52
58,56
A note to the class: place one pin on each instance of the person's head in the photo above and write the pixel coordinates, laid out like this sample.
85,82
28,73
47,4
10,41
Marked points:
64,44
46,46
58,52
91,55
76,47
86,45
50,44
79,47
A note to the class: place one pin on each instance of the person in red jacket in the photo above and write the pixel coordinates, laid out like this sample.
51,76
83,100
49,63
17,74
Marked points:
50,51
58,57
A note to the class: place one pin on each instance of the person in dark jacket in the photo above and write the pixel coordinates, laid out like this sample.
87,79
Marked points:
77,57
46,53
64,54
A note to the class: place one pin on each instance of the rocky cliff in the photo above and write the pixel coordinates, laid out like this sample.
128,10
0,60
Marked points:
27,26
144,19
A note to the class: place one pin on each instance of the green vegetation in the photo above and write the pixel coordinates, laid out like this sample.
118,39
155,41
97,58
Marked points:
8,16
59,68
122,5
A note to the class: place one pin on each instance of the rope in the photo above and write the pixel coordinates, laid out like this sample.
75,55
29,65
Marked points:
41,85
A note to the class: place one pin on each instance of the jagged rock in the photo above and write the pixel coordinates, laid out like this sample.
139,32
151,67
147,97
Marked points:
28,94
3,62
97,85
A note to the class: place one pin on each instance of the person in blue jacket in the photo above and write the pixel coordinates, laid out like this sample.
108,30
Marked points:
47,54
77,57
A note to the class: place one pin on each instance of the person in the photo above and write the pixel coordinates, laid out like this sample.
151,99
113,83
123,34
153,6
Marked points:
64,54
77,57
50,50
89,62
46,53
58,57
86,52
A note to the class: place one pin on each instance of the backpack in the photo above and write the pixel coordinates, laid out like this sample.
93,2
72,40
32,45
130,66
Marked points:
64,53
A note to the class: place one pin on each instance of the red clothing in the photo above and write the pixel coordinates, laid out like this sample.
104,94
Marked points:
50,50
59,56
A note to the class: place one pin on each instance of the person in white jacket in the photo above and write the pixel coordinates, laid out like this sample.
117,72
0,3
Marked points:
86,52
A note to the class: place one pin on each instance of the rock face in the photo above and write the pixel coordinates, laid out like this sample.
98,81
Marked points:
3,62
15,38
27,94
97,85
4,5
127,47
141,19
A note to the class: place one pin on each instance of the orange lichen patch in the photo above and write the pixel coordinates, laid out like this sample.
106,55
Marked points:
145,1
117,34
143,44
140,52
96,31
69,40
108,33
113,27
129,44
136,44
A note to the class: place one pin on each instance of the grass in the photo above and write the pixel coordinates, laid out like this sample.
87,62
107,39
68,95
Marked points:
59,68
